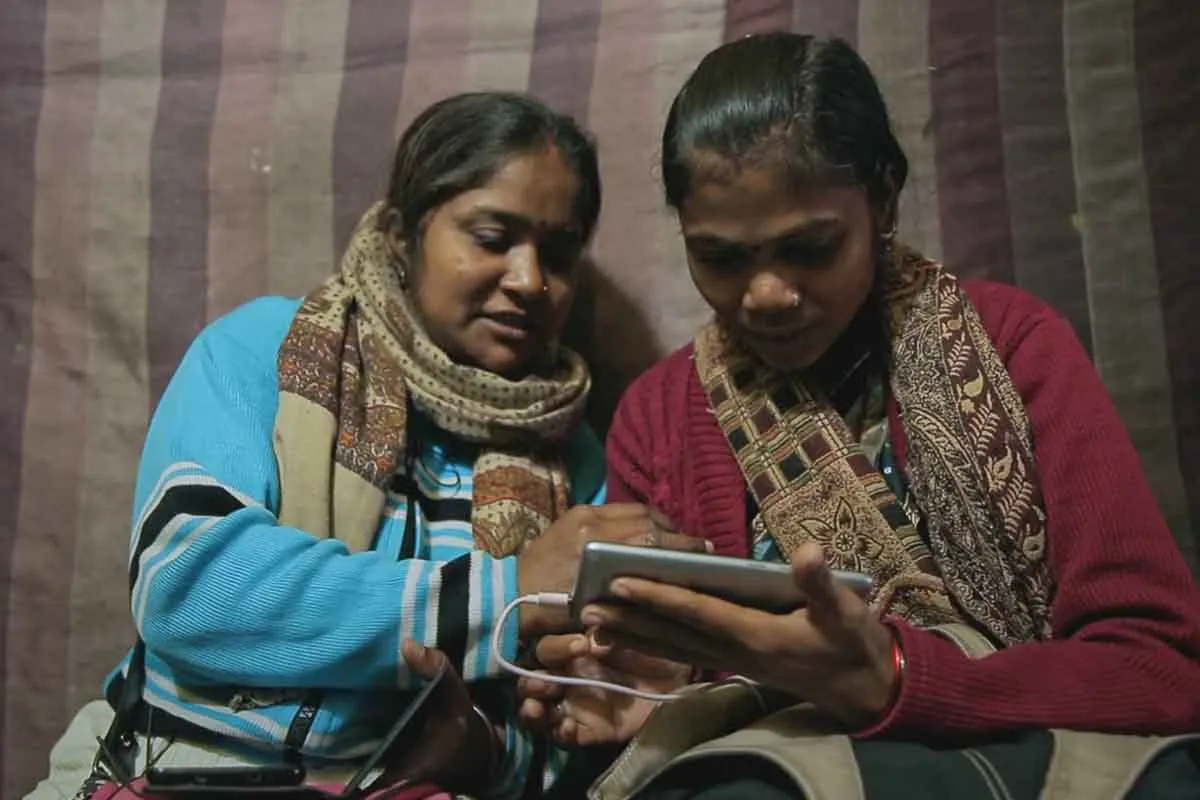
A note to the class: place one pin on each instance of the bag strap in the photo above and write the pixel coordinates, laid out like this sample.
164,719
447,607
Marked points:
118,748
302,722
537,770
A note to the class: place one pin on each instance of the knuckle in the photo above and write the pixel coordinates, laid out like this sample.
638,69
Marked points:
679,541
545,652
660,519
761,640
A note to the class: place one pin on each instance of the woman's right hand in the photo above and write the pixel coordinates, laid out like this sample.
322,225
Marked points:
548,563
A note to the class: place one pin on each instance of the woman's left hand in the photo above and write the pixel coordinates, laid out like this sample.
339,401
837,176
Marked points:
585,716
455,749
834,652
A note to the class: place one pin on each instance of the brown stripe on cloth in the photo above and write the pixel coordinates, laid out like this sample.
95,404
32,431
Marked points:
623,113
1118,246
118,228
746,17
564,55
1040,178
57,413
1168,63
300,242
372,76
239,154
438,39
826,18
976,241
894,39
21,38
177,290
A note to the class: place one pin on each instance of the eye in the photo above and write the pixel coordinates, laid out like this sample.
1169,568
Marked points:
560,252
492,239
557,259
809,254
721,260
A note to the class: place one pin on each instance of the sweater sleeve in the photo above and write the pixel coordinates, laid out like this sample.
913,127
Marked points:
225,594
1125,657
627,450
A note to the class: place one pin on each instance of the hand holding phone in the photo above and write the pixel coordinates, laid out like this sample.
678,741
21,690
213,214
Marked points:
833,651
548,563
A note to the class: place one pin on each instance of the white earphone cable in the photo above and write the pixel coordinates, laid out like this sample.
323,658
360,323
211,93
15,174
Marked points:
557,600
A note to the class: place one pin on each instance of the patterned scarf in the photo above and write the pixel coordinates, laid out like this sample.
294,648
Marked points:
354,359
971,464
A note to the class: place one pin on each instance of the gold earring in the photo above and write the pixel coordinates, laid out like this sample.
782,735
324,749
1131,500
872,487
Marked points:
401,260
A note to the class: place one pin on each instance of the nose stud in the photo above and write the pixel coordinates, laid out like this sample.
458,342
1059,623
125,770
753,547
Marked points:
795,299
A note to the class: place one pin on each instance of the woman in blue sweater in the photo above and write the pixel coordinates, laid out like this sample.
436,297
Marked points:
336,491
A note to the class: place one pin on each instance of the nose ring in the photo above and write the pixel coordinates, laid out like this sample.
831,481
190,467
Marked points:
795,299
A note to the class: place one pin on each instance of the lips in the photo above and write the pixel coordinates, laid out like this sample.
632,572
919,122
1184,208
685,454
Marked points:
779,335
515,324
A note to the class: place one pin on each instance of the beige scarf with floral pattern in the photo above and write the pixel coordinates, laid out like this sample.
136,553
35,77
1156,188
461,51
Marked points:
353,362
970,460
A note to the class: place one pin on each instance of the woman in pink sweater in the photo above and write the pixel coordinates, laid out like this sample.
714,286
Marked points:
854,406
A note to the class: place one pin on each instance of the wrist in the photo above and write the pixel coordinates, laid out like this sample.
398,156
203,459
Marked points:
526,615
873,696
891,683
899,666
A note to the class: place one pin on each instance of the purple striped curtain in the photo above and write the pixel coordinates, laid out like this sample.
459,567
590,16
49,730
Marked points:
162,162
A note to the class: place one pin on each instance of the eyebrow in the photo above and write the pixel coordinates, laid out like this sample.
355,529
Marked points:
809,228
520,221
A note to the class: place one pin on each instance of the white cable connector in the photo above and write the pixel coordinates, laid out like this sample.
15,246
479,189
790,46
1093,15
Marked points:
558,600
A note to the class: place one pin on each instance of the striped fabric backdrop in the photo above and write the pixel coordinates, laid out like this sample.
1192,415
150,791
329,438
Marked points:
161,162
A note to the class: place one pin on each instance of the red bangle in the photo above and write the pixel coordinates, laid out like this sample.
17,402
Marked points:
899,667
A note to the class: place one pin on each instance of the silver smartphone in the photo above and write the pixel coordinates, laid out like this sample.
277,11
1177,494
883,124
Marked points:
756,584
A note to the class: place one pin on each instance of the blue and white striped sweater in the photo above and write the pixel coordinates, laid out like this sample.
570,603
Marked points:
242,616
